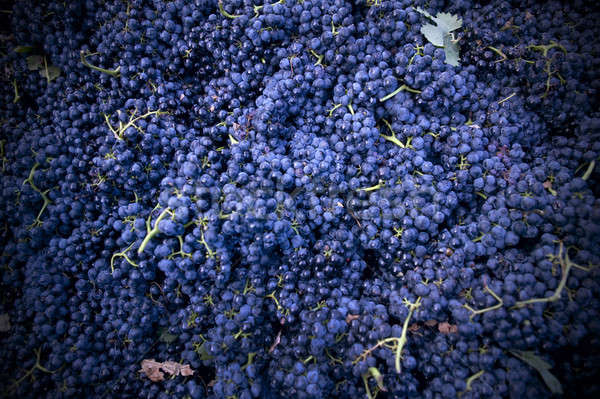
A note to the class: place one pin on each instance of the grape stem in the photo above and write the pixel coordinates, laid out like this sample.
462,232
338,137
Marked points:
499,52
119,131
36,366
589,170
225,13
372,371
393,343
394,139
154,231
566,265
115,73
480,311
398,90
373,188
44,194
122,254
17,96
470,381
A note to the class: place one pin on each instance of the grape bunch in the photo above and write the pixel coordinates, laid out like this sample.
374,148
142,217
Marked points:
299,199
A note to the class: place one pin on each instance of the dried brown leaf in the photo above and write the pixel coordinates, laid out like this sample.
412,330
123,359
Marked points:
152,369
277,340
431,323
508,24
447,328
171,367
351,317
186,370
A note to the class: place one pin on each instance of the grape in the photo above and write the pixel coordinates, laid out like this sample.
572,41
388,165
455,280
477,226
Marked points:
300,199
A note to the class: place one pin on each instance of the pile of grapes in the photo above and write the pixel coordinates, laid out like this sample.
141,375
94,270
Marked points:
299,199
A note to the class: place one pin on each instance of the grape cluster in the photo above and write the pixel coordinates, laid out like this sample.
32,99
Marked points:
299,199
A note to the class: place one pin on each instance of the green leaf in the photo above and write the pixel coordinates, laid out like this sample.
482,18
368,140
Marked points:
542,367
440,34
420,10
434,34
53,72
24,49
532,359
35,62
451,50
447,22
204,355
167,337
552,382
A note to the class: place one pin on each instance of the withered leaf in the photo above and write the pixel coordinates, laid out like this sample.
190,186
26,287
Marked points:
152,369
277,341
186,370
171,367
431,323
447,328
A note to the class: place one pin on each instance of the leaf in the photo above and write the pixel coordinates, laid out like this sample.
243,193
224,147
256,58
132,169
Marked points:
4,322
152,369
447,22
434,34
431,323
447,328
35,62
276,342
420,10
542,367
440,34
53,72
451,50
532,359
186,370
552,382
24,49
166,337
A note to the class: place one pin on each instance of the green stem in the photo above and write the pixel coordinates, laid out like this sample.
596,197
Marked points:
589,170
225,13
151,233
394,343
393,139
566,266
17,96
494,307
398,90
373,188
499,52
336,106
507,98
473,378
319,58
44,195
122,254
115,73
